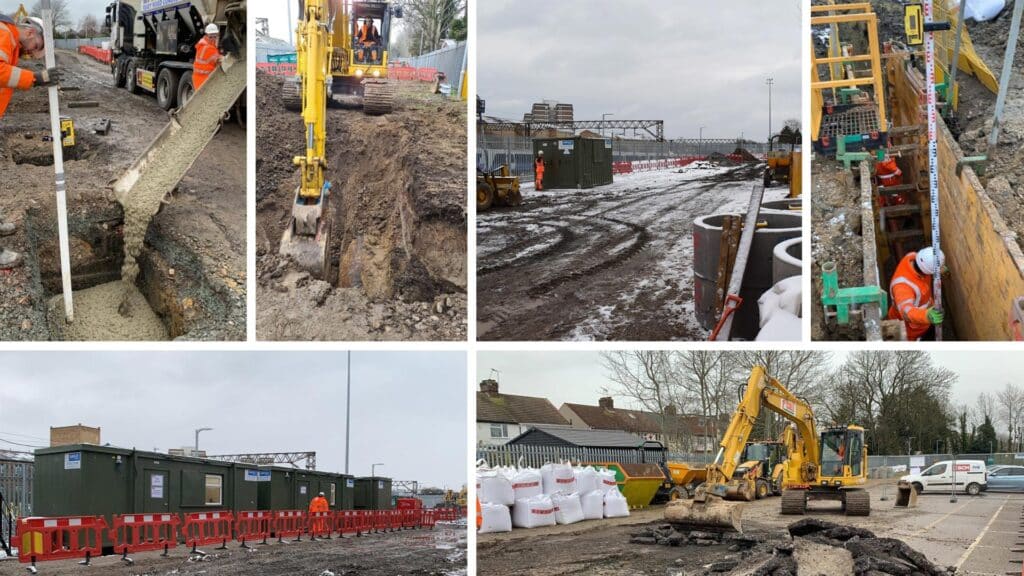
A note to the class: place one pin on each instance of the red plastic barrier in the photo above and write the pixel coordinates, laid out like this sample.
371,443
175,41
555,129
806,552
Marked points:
379,520
96,52
320,524
43,539
289,523
411,517
429,517
356,522
141,532
253,527
202,528
426,74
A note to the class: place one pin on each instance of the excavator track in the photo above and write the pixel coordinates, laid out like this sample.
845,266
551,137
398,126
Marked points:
291,94
378,96
858,503
794,502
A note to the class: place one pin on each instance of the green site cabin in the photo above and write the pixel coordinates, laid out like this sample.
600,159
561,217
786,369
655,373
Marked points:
373,493
574,161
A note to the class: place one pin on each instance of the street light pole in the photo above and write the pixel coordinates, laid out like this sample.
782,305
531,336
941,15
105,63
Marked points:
348,406
198,430
770,81
700,140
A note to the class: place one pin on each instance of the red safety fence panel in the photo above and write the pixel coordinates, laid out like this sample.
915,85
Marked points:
395,518
402,73
320,524
289,523
411,517
202,528
380,520
43,539
426,74
429,517
141,532
96,52
253,526
356,522
278,68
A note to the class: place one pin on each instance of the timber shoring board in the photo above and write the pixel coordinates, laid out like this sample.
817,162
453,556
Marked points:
872,313
986,263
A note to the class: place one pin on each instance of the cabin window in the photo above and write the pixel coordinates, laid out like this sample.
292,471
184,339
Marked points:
214,490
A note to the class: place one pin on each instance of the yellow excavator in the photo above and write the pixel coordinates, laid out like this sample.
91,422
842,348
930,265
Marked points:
342,49
831,465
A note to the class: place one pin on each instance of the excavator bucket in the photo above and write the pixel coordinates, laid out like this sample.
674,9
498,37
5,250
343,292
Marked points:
712,515
307,238
906,495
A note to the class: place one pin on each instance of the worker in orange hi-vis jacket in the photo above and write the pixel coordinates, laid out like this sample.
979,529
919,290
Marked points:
207,56
24,37
911,292
319,504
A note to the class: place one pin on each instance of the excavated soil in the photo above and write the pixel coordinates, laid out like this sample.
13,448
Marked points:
192,264
398,201
437,552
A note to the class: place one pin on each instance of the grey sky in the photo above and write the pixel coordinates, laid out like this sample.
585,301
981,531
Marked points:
691,64
76,8
579,376
408,408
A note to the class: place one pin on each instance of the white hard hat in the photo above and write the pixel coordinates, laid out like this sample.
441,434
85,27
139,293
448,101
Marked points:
321,493
36,23
926,260
212,28
541,153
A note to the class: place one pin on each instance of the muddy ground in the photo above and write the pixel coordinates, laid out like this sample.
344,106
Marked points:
437,552
193,264
974,535
608,263
835,237
398,249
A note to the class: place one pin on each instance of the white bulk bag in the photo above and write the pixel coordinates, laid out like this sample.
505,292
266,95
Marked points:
558,478
982,10
586,479
568,509
593,505
533,512
494,488
527,483
606,480
615,505
495,518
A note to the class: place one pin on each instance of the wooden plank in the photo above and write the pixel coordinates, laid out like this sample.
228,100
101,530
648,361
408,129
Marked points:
729,243
872,314
986,263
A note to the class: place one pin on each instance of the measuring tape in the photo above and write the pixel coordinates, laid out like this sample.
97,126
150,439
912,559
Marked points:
933,153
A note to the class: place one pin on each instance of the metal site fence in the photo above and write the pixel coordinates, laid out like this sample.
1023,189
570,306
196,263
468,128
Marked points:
448,60
881,466
15,494
493,150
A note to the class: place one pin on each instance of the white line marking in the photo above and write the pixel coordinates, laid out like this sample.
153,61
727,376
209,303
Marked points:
974,544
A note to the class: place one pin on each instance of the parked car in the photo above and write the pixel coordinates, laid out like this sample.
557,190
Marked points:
970,477
1006,479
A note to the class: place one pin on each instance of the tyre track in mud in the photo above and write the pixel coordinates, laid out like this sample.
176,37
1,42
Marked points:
601,250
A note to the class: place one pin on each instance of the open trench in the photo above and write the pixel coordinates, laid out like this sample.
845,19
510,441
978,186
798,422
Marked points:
191,281
398,212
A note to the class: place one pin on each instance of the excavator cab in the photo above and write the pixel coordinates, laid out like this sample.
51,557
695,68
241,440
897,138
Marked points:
842,455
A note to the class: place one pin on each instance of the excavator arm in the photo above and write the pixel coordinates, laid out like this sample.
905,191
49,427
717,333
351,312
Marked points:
762,392
307,236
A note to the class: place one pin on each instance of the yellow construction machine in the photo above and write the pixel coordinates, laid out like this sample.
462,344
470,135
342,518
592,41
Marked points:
342,48
829,466
497,188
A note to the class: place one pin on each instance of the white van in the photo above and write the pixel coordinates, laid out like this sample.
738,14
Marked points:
970,476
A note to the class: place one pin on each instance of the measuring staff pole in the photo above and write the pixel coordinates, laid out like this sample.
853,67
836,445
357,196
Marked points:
930,28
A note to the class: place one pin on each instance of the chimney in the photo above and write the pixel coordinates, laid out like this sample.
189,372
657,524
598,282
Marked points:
489,387
607,403
670,410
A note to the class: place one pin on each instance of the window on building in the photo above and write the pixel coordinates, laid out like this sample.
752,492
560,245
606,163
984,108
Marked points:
499,430
214,490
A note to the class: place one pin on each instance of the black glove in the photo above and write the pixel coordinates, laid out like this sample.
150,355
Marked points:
48,77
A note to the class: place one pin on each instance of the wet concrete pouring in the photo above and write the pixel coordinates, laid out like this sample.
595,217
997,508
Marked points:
398,247
437,552
972,536
609,263
192,264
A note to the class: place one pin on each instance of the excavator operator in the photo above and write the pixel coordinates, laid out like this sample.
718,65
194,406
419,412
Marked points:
368,39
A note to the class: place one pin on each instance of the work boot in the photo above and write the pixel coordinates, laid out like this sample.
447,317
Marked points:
9,259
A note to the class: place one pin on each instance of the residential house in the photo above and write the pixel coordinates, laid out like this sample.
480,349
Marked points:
500,417
685,433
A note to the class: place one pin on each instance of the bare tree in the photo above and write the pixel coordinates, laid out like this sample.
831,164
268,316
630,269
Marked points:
61,13
699,373
645,376
1011,412
429,21
88,27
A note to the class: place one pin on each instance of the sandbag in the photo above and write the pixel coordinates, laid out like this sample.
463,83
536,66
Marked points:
494,488
983,10
533,512
527,483
496,518
558,478
568,509
606,480
615,505
586,479
593,505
